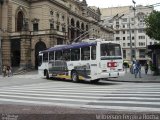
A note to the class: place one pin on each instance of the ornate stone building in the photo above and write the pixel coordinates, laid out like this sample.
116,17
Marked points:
29,26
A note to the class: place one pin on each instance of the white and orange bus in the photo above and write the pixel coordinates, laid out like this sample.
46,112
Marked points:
90,60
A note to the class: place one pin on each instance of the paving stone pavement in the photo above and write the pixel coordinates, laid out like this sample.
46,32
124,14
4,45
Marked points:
128,77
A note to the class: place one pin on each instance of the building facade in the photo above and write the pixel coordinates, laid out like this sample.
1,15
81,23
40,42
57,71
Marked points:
129,26
29,26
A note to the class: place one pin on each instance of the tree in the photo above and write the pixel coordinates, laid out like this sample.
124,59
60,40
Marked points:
153,25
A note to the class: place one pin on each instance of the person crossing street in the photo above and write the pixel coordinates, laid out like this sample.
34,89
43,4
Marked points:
137,69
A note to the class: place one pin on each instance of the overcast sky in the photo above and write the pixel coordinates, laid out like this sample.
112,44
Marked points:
115,3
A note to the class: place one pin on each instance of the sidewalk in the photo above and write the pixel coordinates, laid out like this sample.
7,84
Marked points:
128,77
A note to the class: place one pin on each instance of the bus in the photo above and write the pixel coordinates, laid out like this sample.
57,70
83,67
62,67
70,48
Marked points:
89,60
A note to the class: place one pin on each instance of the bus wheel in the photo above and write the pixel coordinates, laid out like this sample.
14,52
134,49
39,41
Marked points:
95,81
47,75
74,76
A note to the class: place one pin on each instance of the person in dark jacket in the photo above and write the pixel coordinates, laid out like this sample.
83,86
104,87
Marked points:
146,68
137,69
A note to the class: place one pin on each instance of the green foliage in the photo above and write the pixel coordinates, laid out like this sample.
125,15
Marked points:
153,25
153,67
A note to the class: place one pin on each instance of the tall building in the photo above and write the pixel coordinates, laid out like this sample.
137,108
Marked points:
129,26
29,26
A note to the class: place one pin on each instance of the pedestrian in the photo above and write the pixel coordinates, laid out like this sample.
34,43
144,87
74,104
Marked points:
138,69
9,72
4,70
146,68
132,69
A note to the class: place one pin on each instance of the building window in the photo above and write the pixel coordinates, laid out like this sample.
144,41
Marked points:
142,53
51,25
117,23
117,38
20,21
128,44
58,27
117,26
51,12
63,29
124,38
132,37
63,17
141,43
124,44
57,15
141,31
110,21
132,19
35,26
123,32
124,19
141,37
133,53
117,32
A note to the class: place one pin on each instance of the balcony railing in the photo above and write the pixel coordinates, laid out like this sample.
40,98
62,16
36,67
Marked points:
40,32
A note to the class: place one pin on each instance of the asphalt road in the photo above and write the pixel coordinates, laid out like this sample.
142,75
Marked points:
27,96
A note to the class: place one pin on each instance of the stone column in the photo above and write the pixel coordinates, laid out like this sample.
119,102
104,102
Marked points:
25,61
6,49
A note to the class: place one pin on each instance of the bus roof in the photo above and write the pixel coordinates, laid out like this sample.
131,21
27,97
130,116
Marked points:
71,46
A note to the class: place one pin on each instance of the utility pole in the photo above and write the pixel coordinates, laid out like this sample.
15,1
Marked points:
134,9
130,37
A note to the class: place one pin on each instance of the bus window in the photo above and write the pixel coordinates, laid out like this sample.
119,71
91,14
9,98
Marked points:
58,55
45,57
75,54
67,55
117,50
110,51
85,53
51,55
93,52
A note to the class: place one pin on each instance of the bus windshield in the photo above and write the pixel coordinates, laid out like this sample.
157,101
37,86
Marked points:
110,51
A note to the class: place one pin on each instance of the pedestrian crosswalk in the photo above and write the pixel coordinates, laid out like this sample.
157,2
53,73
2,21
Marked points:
130,96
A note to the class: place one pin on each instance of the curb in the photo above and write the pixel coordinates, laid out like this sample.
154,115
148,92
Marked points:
137,81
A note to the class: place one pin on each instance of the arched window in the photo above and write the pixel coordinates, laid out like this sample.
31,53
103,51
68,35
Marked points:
20,21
